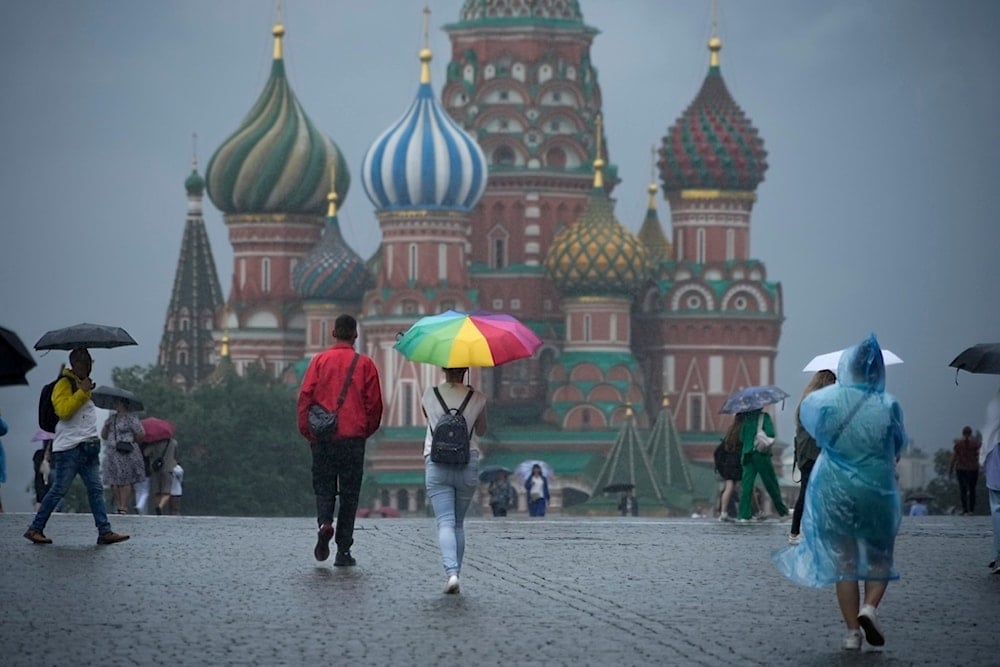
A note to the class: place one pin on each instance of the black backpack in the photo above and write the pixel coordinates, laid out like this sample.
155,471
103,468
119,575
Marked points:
47,417
450,437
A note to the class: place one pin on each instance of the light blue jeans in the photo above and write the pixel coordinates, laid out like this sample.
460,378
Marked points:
450,490
66,466
995,514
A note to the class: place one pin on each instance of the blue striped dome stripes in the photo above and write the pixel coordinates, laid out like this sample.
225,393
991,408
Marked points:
424,161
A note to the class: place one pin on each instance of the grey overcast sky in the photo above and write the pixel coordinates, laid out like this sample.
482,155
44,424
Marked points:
880,120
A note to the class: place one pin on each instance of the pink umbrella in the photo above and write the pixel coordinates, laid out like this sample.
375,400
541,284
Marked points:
157,429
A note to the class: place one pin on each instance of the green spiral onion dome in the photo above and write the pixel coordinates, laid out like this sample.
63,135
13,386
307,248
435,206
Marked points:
276,161
597,256
712,146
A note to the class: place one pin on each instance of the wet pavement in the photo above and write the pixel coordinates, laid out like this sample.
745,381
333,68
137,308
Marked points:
553,591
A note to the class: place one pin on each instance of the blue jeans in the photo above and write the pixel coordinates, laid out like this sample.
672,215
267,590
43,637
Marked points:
450,490
65,466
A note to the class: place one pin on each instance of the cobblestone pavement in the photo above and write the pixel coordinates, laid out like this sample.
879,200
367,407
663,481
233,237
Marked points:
559,591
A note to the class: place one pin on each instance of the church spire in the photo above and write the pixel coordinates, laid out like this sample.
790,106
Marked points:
186,347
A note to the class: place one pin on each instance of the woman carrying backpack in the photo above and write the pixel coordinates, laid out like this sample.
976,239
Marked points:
450,486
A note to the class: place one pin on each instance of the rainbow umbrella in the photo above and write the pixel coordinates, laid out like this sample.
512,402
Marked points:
457,340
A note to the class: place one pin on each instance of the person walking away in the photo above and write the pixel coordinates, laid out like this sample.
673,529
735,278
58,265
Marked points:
343,381
123,461
3,459
965,466
176,489
502,495
852,510
162,456
450,487
537,488
991,467
756,463
728,466
75,450
806,451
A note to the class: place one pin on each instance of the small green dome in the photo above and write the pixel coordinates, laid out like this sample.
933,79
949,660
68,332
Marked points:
194,184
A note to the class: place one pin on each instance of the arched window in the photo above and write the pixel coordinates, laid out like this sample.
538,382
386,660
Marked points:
730,244
499,254
556,157
265,274
586,327
403,500
412,269
700,249
385,500
503,156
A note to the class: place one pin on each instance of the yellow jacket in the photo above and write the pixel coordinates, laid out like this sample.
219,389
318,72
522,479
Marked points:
67,396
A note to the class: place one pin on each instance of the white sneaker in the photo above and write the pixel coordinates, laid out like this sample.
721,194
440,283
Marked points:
852,640
452,586
725,517
868,620
794,539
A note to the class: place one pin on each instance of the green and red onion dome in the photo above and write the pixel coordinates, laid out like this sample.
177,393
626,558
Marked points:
276,161
713,145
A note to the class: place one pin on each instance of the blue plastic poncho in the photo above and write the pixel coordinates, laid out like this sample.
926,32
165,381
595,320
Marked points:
852,506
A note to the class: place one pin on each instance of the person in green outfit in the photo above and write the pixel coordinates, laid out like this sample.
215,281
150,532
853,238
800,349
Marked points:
757,463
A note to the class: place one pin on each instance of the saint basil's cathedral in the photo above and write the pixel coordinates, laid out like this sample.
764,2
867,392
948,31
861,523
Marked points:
496,194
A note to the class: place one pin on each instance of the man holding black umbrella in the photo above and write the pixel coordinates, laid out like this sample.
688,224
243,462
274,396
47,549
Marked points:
75,450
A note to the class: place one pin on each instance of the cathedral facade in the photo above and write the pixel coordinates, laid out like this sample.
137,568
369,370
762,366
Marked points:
495,193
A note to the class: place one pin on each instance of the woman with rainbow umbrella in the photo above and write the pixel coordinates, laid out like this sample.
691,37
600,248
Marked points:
455,341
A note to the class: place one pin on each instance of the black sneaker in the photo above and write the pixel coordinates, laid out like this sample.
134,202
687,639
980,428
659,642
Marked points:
323,537
344,558
37,536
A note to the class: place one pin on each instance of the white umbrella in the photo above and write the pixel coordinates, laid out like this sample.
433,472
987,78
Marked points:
831,360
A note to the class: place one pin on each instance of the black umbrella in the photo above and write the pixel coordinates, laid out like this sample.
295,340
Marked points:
84,335
490,473
107,397
618,487
982,358
919,496
15,360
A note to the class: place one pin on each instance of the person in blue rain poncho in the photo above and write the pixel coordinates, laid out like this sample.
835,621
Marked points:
852,507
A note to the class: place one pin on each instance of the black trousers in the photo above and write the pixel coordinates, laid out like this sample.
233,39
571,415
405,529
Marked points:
967,488
800,502
337,470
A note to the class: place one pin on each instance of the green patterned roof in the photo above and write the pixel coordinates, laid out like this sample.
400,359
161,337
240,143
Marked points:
541,13
276,161
651,233
666,454
597,256
628,463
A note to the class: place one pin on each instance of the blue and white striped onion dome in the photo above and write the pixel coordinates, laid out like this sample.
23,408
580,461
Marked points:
425,160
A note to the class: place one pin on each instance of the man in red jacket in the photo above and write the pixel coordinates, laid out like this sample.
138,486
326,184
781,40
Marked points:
345,382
